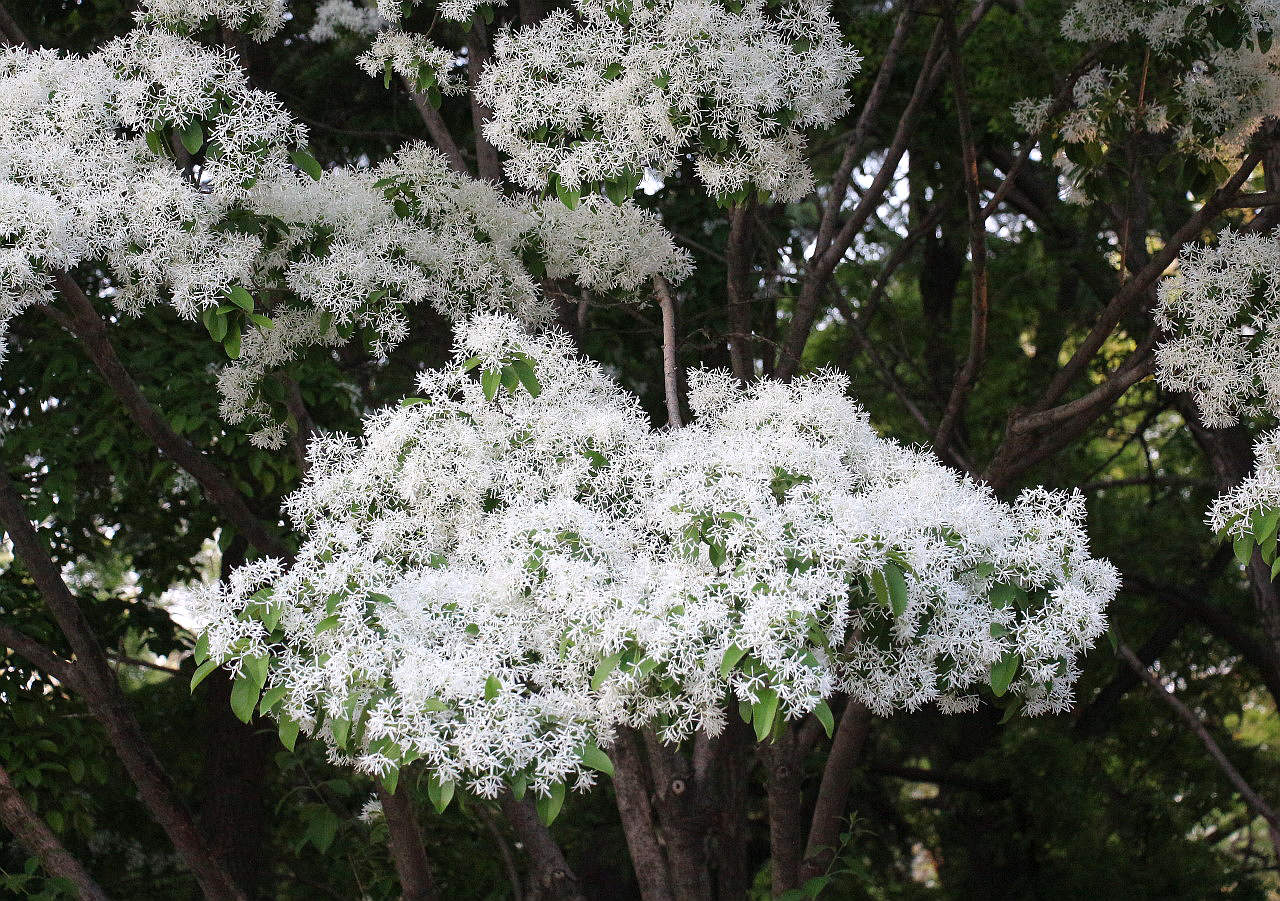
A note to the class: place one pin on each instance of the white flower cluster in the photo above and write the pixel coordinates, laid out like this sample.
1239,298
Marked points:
1217,93
1221,312
85,171
594,98
1234,514
335,17
506,569
414,58
260,18
87,174
1163,24
355,248
608,247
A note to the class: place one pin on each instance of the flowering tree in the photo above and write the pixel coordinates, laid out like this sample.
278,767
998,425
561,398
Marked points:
513,578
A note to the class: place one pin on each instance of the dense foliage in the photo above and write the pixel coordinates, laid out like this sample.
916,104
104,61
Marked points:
338,380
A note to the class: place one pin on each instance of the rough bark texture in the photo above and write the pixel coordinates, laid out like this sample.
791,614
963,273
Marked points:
552,878
405,842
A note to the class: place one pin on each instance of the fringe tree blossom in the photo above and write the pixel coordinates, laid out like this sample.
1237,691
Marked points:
1219,309
1211,77
85,171
259,18
506,569
1221,312
608,247
87,175
592,97
336,17
1235,513
411,56
354,248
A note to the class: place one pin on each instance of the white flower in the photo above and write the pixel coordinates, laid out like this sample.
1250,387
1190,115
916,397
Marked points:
336,17
260,18
596,98
1220,311
494,581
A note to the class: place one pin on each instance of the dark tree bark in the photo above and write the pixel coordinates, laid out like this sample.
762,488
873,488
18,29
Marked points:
97,684
552,878
405,841
35,835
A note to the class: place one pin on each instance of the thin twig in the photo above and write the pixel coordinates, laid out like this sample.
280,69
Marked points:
1255,801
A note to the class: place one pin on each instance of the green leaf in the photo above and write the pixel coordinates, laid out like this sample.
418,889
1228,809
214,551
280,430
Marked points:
549,805
272,698
288,733
340,726
391,780
307,163
763,711
231,344
571,199
216,323
524,371
1244,549
491,688
881,587
322,829
202,672
155,142
998,631
1011,711
823,713
490,380
1264,524
193,137
244,695
471,364
1275,569
519,785
716,552
1003,671
596,759
413,401
732,655
603,669
1002,595
329,622
440,793
897,584
201,651
509,379
241,298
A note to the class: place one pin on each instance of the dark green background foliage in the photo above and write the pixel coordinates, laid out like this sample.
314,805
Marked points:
1116,799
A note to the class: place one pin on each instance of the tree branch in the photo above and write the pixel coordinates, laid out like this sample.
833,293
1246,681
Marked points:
740,290
93,336
35,835
106,702
1255,801
967,377
833,791
12,31
1136,288
670,361
60,668
553,878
